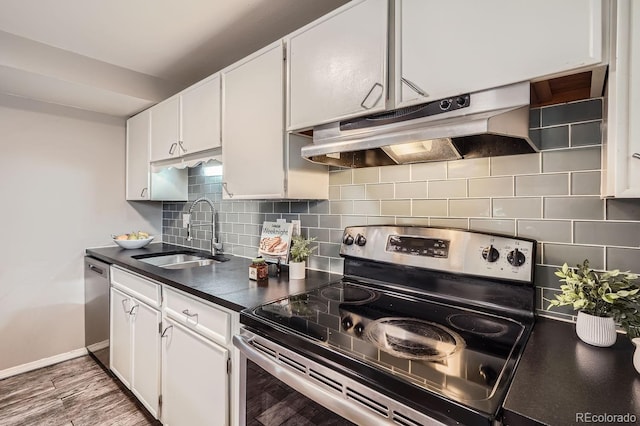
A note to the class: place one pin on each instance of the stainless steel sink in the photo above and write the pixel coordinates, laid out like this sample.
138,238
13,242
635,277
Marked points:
179,260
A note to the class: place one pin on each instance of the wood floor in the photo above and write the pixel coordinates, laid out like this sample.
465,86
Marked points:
73,393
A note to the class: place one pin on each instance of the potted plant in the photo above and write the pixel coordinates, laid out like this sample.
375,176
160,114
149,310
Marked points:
300,252
601,299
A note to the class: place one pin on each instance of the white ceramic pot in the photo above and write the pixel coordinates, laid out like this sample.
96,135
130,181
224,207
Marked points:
297,270
596,331
636,354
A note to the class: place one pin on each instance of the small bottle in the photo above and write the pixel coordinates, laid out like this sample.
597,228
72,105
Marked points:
258,270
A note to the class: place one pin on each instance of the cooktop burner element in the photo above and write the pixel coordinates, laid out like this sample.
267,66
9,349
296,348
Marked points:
414,339
477,324
435,318
348,294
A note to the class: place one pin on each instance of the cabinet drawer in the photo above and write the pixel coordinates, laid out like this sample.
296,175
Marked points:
137,286
201,317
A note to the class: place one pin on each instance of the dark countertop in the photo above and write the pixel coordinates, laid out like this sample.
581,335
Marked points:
226,284
559,377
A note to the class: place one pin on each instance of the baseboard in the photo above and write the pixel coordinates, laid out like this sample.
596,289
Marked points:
45,362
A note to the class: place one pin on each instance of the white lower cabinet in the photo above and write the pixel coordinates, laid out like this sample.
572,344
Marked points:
135,347
195,382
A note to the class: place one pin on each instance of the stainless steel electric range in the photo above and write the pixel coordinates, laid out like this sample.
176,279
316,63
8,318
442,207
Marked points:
426,327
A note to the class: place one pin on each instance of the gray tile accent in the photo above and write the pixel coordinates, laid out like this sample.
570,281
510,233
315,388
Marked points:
334,192
429,207
341,207
551,184
585,183
626,234
380,220
545,277
621,209
321,235
380,191
421,221
309,220
499,226
395,207
623,259
353,221
299,207
342,177
427,171
473,207
572,112
330,221
545,230
558,254
320,206
524,208
399,173
476,167
534,118
411,190
574,208
550,137
366,175
369,208
329,250
568,160
491,187
515,164
319,263
352,192
449,222
447,188
586,133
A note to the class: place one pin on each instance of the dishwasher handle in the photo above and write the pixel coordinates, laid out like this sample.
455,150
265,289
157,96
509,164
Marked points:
95,269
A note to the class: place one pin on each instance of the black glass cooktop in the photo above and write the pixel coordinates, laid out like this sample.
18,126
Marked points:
455,352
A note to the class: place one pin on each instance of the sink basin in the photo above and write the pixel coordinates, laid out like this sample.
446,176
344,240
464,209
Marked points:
180,260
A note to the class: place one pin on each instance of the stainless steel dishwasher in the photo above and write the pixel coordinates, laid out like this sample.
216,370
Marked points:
96,309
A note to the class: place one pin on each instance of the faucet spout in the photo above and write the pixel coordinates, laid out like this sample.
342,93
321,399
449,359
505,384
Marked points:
215,246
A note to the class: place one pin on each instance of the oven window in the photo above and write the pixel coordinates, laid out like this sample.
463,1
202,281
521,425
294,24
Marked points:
272,403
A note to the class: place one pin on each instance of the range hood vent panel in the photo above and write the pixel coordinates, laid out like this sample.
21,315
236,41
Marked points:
489,123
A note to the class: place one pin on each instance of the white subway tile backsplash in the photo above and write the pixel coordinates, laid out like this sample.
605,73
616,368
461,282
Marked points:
399,173
447,188
568,160
382,191
428,171
574,208
342,177
411,190
366,175
546,184
521,207
430,207
449,222
499,226
395,207
472,207
352,192
341,207
476,167
491,187
368,208
515,165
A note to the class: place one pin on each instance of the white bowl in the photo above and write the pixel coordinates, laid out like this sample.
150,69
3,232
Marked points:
133,244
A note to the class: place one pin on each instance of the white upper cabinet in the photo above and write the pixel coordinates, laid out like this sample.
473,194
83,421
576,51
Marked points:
257,159
446,48
337,65
201,115
621,153
165,129
137,157
188,122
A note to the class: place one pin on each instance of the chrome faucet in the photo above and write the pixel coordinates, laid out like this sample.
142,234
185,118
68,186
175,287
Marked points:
215,246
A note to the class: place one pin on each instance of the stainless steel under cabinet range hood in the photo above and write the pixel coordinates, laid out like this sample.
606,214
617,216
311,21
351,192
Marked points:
481,124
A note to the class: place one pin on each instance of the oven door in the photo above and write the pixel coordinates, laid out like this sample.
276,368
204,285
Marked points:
278,386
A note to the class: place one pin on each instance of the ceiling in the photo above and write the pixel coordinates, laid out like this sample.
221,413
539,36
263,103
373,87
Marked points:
119,57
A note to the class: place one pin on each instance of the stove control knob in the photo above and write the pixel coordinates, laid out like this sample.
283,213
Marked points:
347,323
358,329
361,240
490,254
516,257
347,239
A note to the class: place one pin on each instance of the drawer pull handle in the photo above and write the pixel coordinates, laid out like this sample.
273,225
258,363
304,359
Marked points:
226,189
143,192
191,316
414,87
164,333
172,148
182,147
636,155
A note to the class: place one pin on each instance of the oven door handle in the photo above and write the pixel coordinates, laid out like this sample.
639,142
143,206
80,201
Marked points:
327,398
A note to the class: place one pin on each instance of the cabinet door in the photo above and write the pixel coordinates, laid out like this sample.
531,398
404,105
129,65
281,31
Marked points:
137,157
452,47
145,354
338,65
195,383
201,116
621,174
120,336
253,128
165,129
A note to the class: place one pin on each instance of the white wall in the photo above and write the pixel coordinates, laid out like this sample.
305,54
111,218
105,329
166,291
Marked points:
61,190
